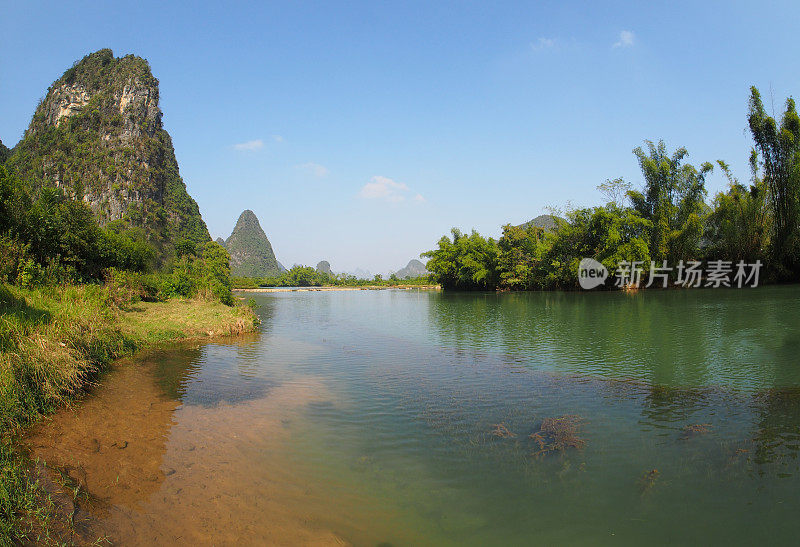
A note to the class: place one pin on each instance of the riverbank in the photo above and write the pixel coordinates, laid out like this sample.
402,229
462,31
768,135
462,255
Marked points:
338,288
54,341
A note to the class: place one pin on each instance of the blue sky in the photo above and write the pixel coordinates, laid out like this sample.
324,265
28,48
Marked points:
361,132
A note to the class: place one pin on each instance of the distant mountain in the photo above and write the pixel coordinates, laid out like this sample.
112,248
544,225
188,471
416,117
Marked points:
324,267
98,135
547,222
250,250
358,273
220,241
415,268
281,267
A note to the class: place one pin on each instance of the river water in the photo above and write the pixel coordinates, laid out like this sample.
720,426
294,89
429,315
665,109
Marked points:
423,418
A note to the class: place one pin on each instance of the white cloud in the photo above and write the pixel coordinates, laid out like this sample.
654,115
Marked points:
543,43
249,145
314,169
386,189
626,39
277,138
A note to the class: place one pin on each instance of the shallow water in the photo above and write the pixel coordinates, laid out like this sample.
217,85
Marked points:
367,417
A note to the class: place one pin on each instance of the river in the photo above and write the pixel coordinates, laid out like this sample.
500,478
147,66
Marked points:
405,417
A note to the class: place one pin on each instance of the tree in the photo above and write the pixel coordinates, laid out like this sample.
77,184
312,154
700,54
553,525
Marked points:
468,262
738,227
672,199
300,276
216,272
521,249
608,234
615,191
60,234
779,150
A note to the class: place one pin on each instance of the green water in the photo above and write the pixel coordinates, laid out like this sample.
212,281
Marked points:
402,446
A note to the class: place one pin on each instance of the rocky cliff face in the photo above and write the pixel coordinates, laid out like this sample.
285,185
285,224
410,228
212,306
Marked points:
250,250
98,135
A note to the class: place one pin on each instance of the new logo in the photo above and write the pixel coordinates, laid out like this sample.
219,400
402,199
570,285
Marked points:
591,273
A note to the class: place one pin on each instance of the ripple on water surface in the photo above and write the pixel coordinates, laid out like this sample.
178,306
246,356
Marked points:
413,417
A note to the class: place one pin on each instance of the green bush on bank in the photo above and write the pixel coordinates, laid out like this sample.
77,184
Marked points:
205,276
50,237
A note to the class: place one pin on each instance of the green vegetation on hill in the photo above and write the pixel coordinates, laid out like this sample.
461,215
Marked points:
54,238
546,222
4,152
98,136
48,236
667,220
250,250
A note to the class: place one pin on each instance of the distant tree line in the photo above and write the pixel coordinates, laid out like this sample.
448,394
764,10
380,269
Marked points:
306,276
668,219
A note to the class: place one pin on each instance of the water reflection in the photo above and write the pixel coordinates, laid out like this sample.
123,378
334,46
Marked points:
204,374
688,338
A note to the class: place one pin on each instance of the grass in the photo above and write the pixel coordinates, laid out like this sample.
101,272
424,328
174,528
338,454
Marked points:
53,343
152,322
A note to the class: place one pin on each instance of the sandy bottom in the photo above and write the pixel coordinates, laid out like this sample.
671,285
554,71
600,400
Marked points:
149,470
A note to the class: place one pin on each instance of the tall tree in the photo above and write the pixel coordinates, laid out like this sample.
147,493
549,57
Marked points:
521,249
672,199
738,227
779,150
